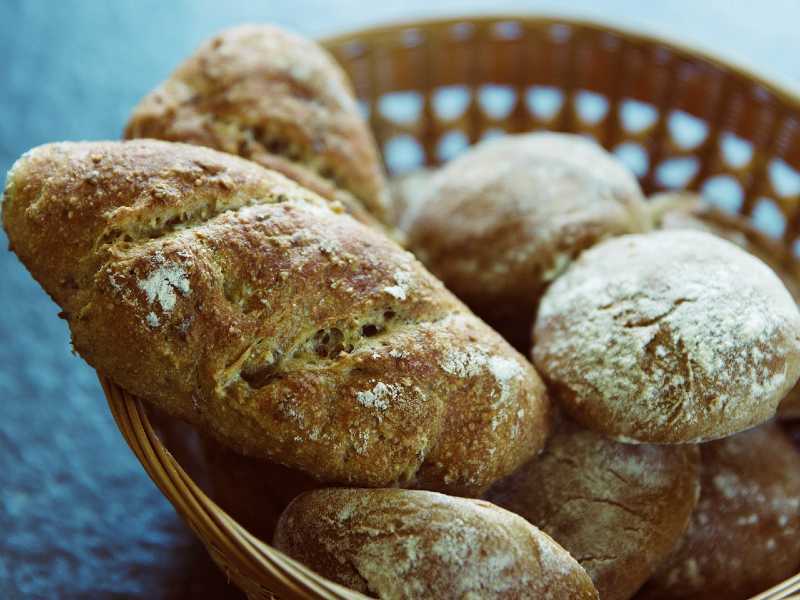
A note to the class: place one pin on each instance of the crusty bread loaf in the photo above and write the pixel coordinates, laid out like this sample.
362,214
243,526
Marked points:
744,536
686,210
668,337
407,544
618,509
408,191
503,220
233,298
278,99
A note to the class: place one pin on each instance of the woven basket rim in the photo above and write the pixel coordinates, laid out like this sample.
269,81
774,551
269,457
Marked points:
783,88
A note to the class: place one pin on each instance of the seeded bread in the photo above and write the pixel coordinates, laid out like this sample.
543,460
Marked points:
619,509
502,221
395,544
278,99
668,337
231,297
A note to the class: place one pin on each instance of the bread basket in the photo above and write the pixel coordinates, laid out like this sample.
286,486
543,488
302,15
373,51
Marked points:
680,118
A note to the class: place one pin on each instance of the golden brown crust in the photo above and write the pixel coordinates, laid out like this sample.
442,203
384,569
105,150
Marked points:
408,544
686,210
499,223
233,298
668,337
278,99
744,536
618,509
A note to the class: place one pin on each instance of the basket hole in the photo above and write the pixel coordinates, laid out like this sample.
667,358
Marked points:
559,33
401,107
633,156
412,38
676,173
450,145
450,102
544,102
403,153
353,50
736,151
725,192
796,248
497,101
687,131
492,133
590,107
768,218
363,109
507,30
785,180
637,116
462,31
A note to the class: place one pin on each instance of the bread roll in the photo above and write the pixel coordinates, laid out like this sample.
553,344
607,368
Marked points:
392,543
744,536
242,303
618,509
668,337
275,98
503,220
687,210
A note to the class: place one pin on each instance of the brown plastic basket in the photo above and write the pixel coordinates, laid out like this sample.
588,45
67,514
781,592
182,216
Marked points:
681,118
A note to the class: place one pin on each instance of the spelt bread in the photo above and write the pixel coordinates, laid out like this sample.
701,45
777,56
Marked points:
233,298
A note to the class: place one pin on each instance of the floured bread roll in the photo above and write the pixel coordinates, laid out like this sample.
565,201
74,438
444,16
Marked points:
618,509
686,210
393,544
668,337
231,297
503,220
744,536
278,99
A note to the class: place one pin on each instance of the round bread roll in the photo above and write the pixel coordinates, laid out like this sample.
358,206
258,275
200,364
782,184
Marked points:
668,337
256,310
503,220
744,535
392,544
686,210
278,99
618,509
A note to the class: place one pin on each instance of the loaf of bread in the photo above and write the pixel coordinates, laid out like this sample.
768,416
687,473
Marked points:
686,210
503,220
233,298
618,509
744,536
668,337
392,544
279,100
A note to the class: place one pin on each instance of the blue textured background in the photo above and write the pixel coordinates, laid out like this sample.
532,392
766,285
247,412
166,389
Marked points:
78,516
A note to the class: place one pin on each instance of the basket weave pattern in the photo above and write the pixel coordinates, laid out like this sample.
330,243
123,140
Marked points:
678,118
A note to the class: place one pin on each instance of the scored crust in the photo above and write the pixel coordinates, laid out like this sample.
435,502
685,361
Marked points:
686,210
278,99
618,509
503,220
744,535
668,337
231,297
409,544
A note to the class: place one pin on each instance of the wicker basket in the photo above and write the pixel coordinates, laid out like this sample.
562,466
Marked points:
681,119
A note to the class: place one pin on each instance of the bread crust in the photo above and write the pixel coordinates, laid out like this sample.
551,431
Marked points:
503,220
668,337
618,509
238,301
744,536
686,210
409,544
278,99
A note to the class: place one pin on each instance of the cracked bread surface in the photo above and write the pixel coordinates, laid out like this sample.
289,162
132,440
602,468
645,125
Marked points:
231,297
618,509
668,337
394,544
278,99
